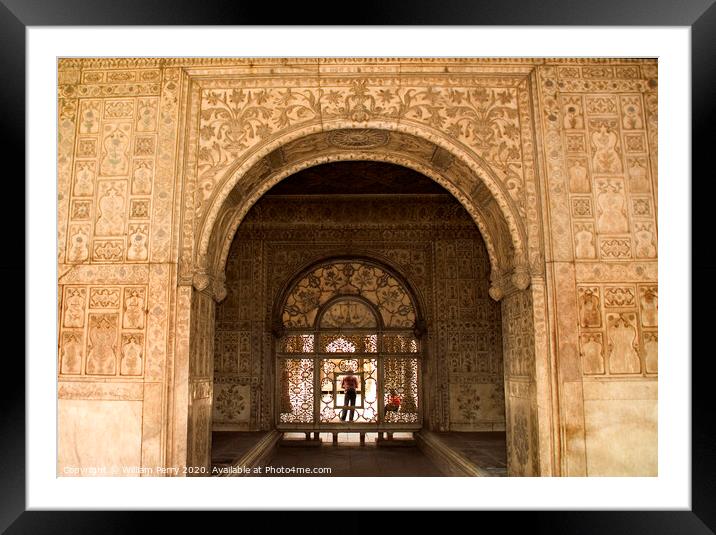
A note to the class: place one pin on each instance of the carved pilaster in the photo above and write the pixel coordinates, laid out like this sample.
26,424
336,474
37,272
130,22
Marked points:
186,270
213,285
521,276
496,290
201,280
219,287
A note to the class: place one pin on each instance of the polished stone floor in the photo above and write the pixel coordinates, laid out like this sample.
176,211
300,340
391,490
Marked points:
349,458
485,449
228,446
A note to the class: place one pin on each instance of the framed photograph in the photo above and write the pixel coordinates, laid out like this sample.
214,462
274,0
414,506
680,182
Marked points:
469,213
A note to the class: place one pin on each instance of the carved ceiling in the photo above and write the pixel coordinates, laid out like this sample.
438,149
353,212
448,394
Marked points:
362,178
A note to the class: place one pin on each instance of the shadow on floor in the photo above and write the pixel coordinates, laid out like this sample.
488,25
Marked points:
228,446
348,458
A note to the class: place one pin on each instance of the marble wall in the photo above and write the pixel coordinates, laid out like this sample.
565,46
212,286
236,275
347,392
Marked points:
600,124
554,160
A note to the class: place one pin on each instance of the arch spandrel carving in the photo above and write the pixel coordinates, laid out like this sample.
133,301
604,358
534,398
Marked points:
497,218
475,135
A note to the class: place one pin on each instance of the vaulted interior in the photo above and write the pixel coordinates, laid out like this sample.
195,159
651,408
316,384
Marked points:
321,250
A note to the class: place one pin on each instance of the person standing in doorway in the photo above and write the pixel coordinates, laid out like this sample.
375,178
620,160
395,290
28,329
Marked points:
349,386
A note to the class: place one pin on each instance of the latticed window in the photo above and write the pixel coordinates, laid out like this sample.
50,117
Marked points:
348,319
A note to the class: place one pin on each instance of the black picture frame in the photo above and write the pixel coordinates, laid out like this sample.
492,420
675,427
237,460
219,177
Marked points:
699,15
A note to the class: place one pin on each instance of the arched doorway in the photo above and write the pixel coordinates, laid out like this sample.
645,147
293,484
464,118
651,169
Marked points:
343,318
529,424
339,239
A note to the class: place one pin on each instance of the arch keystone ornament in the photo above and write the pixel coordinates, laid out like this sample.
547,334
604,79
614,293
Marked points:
357,138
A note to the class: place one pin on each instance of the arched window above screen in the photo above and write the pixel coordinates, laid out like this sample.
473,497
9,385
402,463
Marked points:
348,278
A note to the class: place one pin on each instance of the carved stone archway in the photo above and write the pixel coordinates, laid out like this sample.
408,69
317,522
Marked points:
468,179
513,139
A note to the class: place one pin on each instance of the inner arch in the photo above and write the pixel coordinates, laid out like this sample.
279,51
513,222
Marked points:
358,212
